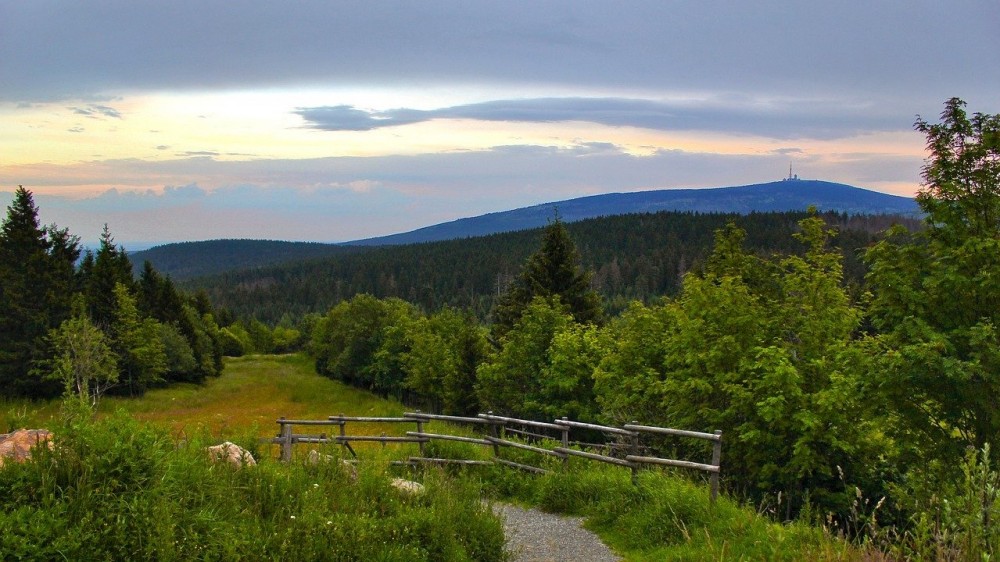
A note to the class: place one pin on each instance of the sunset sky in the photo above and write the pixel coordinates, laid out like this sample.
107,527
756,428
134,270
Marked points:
333,121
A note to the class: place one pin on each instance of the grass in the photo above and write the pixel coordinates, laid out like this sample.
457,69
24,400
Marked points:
662,518
253,392
118,489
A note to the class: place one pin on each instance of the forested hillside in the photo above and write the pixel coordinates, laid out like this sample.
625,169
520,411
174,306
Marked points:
787,195
639,256
184,260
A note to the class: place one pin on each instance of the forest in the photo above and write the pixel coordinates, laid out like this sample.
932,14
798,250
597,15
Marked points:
85,323
632,257
863,392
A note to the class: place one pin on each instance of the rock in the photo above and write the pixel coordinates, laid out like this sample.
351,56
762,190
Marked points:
352,471
315,457
407,487
17,446
231,453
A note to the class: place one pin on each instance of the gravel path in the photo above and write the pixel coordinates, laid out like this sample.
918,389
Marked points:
535,536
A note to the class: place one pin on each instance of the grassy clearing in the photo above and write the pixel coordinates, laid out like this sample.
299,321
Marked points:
252,392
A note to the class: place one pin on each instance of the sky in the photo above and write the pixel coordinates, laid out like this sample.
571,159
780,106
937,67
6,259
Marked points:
334,120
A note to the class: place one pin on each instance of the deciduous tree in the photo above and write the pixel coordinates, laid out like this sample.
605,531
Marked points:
937,291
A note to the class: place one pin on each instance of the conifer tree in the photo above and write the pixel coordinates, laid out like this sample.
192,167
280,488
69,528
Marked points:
36,282
552,271
111,266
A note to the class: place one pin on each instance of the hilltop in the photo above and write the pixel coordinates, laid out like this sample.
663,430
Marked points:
778,196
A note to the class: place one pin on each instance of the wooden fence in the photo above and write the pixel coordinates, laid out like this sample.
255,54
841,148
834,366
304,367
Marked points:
500,432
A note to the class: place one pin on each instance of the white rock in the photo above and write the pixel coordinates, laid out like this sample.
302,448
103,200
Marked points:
232,453
408,487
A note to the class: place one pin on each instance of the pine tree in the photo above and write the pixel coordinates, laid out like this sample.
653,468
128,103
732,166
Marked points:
111,266
36,282
552,271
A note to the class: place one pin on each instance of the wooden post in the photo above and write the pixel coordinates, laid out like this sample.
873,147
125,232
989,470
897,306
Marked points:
286,440
716,462
565,444
420,429
634,447
494,434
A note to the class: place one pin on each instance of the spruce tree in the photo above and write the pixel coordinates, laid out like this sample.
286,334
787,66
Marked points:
111,266
552,271
36,283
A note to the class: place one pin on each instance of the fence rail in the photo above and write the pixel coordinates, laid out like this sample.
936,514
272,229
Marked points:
498,427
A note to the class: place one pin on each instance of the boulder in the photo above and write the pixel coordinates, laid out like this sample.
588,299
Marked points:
231,453
17,446
408,487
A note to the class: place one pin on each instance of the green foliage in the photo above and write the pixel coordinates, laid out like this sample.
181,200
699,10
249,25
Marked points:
83,360
936,299
445,350
119,490
111,267
234,340
142,358
348,343
760,349
633,257
513,382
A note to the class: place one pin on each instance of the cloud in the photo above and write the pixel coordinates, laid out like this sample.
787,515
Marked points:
822,119
95,111
884,52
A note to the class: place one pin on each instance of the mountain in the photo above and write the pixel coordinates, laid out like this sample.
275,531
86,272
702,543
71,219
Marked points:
187,260
779,196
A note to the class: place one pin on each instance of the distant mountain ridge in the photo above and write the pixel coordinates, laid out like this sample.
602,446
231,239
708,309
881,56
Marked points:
778,196
187,260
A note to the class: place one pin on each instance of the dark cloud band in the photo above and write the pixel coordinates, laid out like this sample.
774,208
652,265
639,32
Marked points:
777,120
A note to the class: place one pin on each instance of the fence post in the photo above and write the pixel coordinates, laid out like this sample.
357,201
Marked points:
343,433
565,444
716,462
420,429
286,440
494,434
634,447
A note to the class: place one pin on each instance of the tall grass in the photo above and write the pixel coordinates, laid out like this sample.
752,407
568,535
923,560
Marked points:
118,489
